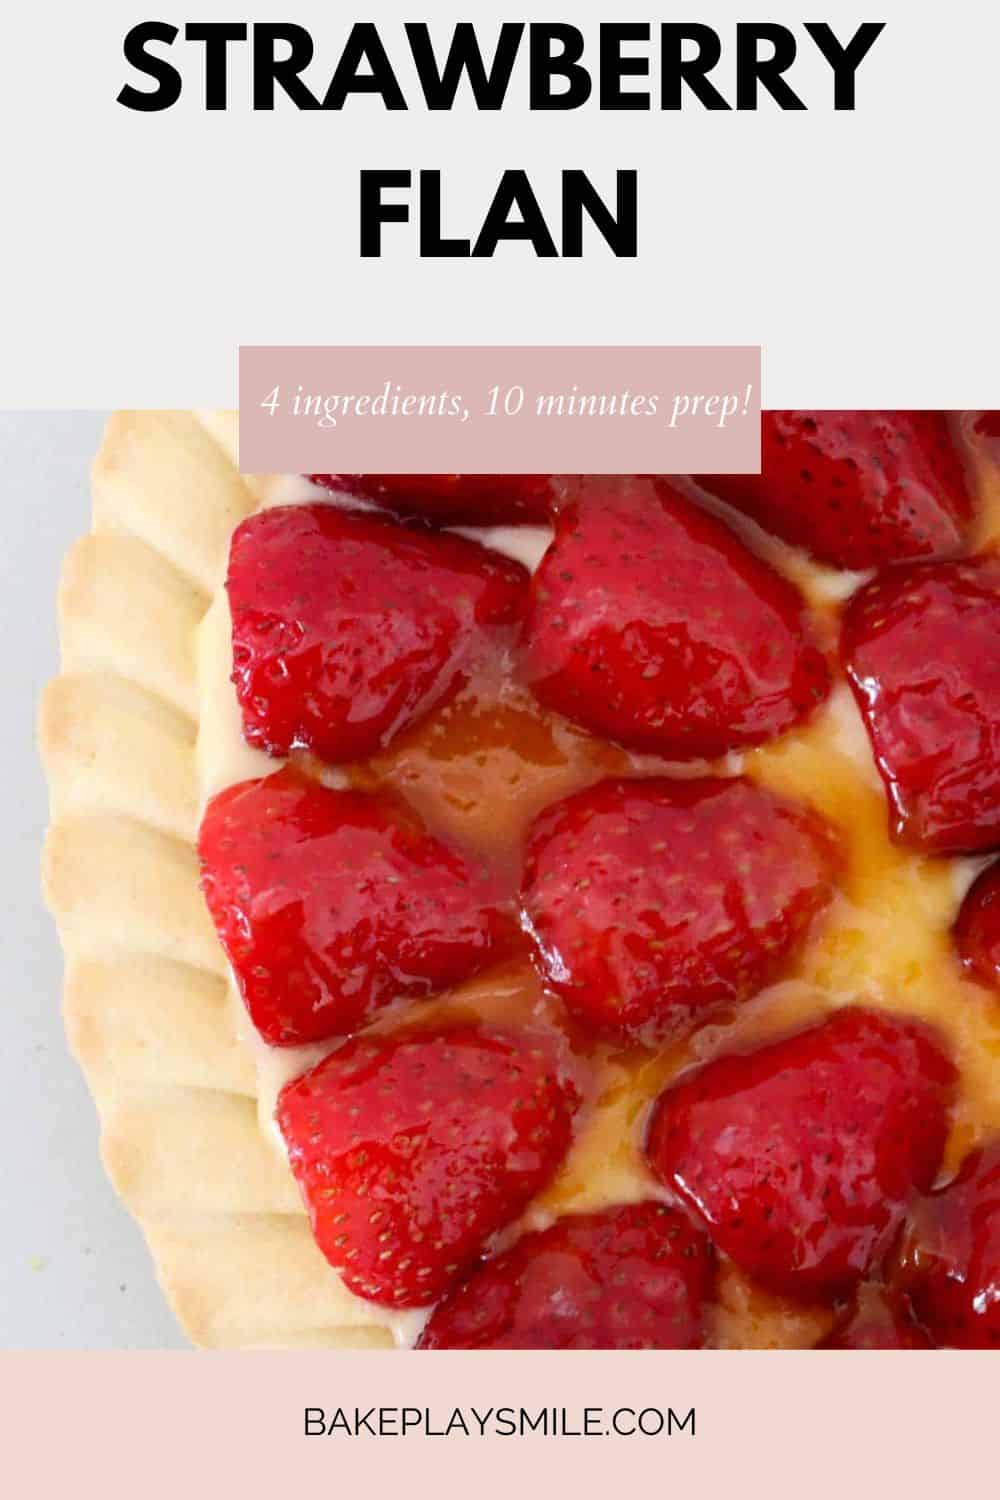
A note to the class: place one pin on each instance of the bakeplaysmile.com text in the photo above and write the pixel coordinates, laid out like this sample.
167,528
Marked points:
498,1421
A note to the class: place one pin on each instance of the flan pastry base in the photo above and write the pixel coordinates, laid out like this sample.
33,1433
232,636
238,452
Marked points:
147,1004
148,999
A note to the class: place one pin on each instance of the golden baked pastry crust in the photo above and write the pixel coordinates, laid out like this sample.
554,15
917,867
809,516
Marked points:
147,1009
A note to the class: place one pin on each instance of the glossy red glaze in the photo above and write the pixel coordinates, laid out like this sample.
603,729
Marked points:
977,930
453,499
802,1157
629,1278
920,648
348,628
857,489
652,624
411,1149
332,903
653,900
950,1259
876,1319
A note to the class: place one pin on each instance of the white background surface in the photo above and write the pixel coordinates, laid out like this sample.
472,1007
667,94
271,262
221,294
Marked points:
74,1272
858,248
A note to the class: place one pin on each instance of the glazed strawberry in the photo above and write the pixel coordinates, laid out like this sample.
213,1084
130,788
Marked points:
920,647
876,1319
628,1278
987,424
411,1150
652,900
652,624
857,489
452,499
801,1157
977,930
950,1260
332,903
348,628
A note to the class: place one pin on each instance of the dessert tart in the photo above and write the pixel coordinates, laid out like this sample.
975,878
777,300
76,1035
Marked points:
542,912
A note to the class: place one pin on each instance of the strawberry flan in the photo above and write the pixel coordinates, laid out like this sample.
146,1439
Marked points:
601,877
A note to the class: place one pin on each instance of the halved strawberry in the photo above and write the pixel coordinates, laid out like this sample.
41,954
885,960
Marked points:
412,1149
652,624
977,930
453,499
950,1259
987,424
348,628
332,903
857,489
876,1319
652,900
628,1278
920,647
802,1157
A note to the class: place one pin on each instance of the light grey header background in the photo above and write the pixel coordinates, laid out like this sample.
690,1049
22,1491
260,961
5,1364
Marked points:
74,1272
857,248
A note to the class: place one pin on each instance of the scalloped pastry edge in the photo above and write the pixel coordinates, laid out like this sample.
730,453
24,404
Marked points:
145,996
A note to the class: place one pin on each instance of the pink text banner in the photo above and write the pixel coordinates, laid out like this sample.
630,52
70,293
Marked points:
500,409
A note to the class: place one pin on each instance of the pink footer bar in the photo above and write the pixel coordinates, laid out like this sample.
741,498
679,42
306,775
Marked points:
506,409
323,1424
